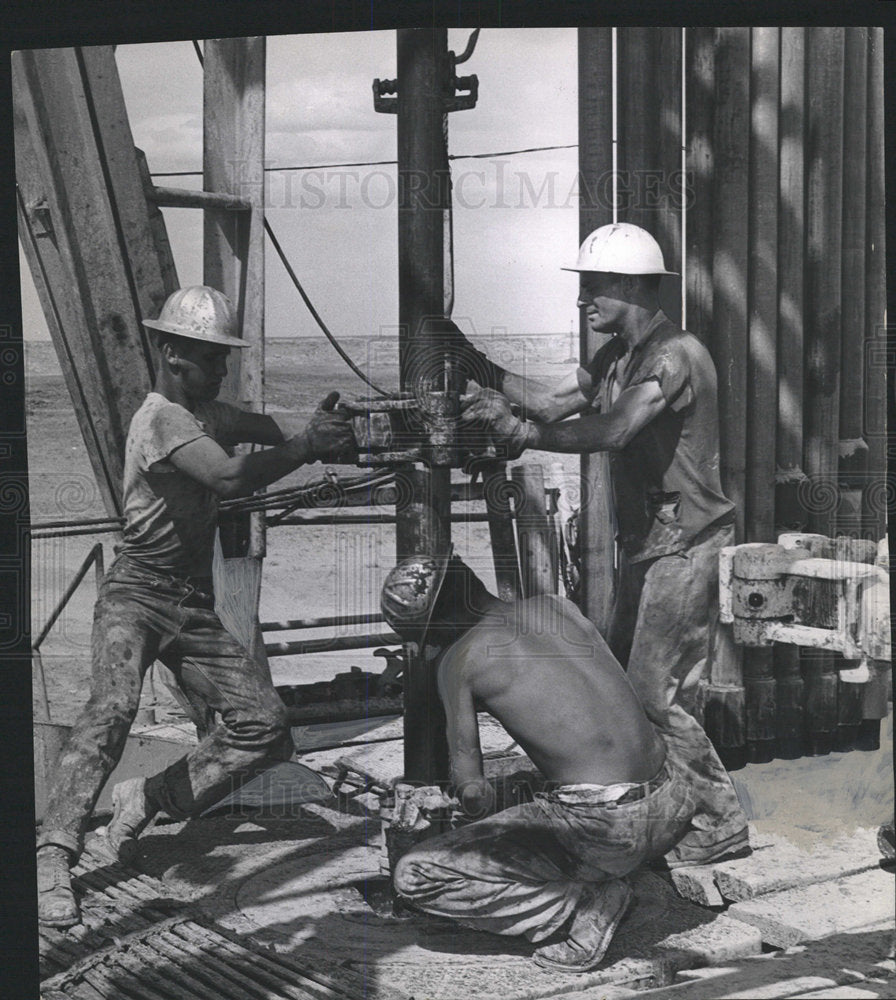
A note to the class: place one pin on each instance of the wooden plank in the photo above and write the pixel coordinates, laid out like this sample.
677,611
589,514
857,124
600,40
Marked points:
538,566
233,261
700,97
50,239
115,143
596,523
846,992
782,865
857,903
675,933
161,243
697,885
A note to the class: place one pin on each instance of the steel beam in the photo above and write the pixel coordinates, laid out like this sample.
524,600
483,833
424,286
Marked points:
423,525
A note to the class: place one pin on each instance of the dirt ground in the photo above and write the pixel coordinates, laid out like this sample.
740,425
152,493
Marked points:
308,571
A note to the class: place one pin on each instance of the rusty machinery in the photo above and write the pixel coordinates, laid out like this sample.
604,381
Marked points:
811,590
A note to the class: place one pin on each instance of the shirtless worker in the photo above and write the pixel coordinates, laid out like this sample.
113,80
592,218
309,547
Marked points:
619,793
648,397
156,600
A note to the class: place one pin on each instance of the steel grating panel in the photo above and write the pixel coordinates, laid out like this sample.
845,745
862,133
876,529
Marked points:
136,942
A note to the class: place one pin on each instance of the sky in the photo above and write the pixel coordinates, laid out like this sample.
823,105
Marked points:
515,217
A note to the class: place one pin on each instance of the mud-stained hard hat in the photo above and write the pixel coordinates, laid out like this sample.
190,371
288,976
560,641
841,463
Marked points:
620,248
200,313
410,594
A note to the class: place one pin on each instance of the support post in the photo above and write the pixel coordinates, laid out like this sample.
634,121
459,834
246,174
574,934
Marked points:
596,520
233,163
759,680
424,524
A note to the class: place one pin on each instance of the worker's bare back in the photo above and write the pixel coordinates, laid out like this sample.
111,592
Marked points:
542,669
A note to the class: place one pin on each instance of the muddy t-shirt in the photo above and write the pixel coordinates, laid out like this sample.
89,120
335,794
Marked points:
666,482
170,518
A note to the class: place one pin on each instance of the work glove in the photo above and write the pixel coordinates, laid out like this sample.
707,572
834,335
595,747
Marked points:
488,412
446,337
329,433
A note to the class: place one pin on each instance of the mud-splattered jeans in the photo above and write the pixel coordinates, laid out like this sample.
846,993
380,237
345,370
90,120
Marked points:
661,631
142,616
524,870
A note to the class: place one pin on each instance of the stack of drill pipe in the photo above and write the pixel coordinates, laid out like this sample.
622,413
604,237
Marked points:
649,143
789,512
596,540
874,495
730,110
700,98
759,487
853,457
874,507
823,312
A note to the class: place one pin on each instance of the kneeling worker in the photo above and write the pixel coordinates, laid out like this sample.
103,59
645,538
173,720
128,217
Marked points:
619,793
156,600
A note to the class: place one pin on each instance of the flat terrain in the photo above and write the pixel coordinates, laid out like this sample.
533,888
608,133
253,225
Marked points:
309,571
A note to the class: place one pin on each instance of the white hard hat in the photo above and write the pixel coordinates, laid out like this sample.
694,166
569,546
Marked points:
200,313
410,593
620,248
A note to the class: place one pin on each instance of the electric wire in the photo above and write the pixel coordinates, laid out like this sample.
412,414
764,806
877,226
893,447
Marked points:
378,163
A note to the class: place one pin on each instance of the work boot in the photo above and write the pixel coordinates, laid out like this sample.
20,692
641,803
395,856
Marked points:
131,814
599,913
56,904
689,852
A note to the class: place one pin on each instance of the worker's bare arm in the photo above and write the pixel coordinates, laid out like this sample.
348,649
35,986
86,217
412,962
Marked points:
471,788
233,476
631,413
256,428
545,401
327,437
633,410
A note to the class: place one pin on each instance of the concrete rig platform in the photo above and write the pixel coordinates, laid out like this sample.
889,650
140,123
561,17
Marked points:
290,901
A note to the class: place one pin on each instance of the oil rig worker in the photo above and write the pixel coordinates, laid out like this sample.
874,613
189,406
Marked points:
648,397
156,600
618,792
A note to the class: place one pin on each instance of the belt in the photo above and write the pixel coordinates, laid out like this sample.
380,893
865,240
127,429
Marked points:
642,791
